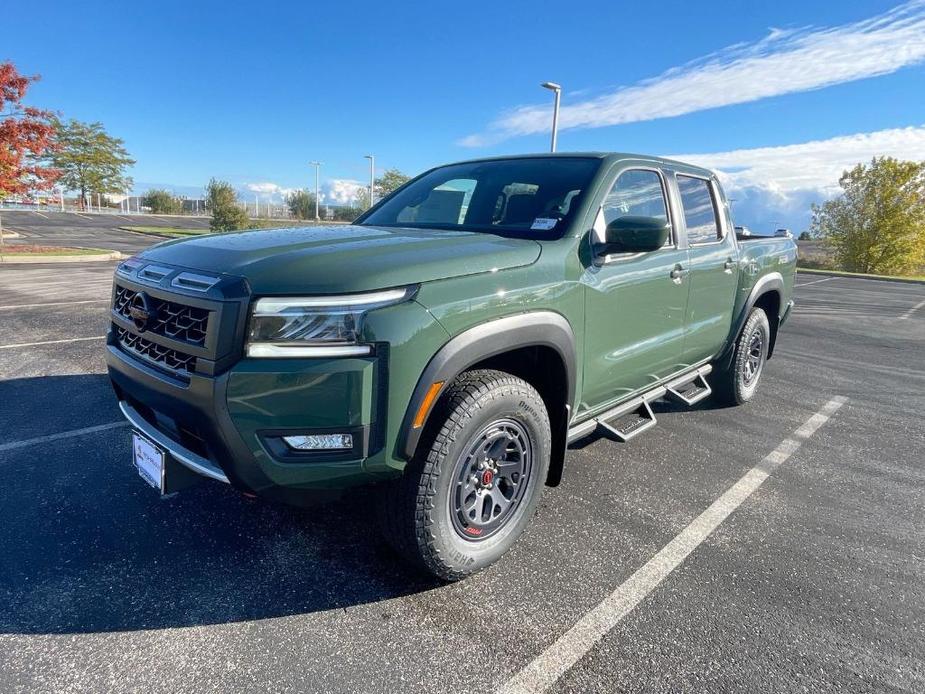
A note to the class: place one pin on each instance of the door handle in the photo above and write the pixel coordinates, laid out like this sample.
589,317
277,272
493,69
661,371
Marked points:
729,264
677,274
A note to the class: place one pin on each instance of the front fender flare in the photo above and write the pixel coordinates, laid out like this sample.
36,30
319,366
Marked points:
536,328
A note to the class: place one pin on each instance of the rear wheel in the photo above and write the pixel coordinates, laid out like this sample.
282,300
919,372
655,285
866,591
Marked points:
478,476
738,383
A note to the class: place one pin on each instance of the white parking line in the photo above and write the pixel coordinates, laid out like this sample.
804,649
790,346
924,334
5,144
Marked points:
63,435
541,673
42,290
52,342
40,283
806,284
55,303
64,297
912,310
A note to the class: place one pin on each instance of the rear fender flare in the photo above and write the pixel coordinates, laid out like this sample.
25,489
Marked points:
772,282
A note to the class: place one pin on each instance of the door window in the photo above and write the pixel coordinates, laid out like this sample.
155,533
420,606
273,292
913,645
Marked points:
700,215
638,192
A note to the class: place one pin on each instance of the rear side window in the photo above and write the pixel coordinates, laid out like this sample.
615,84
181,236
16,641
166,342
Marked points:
699,210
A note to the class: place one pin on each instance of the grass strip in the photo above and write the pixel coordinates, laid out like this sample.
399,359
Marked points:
841,273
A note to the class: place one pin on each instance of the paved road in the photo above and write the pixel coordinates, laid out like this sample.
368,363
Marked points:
92,230
815,583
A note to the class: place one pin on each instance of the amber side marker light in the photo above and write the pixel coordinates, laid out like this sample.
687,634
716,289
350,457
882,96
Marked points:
429,399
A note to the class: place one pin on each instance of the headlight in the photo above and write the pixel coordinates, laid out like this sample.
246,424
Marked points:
317,326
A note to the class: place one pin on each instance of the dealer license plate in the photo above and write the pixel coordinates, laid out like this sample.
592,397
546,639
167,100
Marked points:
149,459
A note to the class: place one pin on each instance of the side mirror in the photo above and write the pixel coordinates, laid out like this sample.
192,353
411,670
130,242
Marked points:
632,234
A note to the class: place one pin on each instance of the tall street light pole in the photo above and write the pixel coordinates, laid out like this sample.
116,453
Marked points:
372,178
317,165
552,86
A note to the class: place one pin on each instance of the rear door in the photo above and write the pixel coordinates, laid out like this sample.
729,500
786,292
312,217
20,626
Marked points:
635,302
713,268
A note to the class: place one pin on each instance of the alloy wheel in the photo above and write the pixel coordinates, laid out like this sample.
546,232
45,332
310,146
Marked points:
754,358
490,479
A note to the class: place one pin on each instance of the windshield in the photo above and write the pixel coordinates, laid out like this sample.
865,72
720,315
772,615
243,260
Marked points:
527,198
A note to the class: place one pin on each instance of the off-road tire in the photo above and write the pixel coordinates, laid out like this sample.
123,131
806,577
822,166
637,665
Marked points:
738,383
415,511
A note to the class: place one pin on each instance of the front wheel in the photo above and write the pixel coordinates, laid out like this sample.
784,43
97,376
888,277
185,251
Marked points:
475,483
737,384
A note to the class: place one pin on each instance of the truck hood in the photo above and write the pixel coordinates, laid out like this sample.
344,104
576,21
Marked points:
344,258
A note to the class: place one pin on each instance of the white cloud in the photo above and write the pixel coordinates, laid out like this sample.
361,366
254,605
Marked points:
816,164
341,191
784,62
267,190
263,188
777,184
334,191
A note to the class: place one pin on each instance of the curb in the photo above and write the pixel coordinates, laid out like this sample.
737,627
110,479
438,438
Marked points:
97,258
858,276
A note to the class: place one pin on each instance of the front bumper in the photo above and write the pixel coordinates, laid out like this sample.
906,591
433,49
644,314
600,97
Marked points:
228,427
196,463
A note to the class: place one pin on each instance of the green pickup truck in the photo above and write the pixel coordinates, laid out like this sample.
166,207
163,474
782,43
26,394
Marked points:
447,346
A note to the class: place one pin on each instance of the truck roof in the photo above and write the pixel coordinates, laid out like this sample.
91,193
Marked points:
609,156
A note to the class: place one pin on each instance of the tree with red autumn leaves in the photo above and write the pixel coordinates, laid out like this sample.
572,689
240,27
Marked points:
26,135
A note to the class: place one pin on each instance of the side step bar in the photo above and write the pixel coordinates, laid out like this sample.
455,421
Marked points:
631,424
689,391
629,419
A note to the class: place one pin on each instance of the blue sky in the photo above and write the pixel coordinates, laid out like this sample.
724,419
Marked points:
252,93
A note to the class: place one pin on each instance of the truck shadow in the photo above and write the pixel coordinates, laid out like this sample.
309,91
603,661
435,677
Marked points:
87,546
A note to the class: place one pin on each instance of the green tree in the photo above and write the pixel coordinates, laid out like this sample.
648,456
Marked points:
390,181
90,160
301,204
347,214
227,214
362,199
805,236
878,223
162,202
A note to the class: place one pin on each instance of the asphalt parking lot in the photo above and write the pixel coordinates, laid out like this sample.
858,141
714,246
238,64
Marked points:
89,230
814,582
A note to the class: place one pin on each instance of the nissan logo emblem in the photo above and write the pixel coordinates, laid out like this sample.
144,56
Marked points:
141,310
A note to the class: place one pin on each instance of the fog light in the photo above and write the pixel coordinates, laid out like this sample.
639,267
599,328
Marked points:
320,442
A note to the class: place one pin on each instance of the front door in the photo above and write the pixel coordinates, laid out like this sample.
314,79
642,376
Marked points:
635,302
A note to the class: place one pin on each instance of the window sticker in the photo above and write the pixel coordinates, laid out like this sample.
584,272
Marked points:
544,223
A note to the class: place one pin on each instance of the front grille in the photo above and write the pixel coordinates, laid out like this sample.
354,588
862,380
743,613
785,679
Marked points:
171,319
155,353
